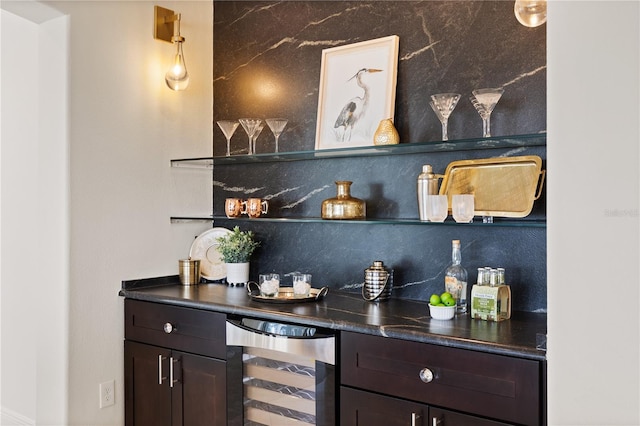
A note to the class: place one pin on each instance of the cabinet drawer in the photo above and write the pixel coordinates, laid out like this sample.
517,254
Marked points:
192,330
496,386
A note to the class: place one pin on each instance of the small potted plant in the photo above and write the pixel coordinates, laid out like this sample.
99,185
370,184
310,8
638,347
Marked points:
236,249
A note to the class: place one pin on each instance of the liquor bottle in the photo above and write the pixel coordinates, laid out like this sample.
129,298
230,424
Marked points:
455,278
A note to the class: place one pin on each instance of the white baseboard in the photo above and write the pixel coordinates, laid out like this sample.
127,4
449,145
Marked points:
11,418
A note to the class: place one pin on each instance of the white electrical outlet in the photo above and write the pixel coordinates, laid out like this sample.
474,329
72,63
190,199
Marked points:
107,394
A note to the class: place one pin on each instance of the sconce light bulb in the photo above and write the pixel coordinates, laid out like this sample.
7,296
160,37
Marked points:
531,13
177,77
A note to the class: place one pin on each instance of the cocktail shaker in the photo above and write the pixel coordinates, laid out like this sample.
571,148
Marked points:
427,185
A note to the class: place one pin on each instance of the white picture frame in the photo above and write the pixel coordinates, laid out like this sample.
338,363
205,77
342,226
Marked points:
357,90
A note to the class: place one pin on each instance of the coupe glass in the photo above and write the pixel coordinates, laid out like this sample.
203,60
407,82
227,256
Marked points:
277,127
485,100
228,127
250,125
443,105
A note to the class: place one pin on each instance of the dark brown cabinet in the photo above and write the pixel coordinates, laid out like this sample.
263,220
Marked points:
448,386
165,383
361,408
440,417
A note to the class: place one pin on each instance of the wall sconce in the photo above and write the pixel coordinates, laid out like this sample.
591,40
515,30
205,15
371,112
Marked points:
531,13
166,26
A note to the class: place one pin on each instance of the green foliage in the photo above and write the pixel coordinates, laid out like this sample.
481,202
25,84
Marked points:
237,247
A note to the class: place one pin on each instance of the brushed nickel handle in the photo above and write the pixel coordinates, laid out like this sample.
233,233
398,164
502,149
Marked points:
169,328
171,379
426,375
435,421
414,419
160,376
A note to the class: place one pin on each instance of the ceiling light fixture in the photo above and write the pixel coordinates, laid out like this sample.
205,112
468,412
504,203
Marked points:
531,13
166,26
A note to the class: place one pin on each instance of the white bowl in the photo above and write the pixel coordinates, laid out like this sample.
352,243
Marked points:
442,312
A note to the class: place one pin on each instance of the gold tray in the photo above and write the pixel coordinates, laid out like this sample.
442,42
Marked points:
285,294
503,187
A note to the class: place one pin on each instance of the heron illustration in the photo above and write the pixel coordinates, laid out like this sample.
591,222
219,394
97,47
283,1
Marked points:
356,107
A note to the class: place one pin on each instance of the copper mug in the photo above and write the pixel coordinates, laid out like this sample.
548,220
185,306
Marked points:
234,207
256,207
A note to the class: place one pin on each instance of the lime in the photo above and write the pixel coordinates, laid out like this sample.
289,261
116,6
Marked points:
441,304
435,299
446,295
450,302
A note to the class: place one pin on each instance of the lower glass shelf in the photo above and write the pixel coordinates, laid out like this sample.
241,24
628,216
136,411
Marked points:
500,222
187,219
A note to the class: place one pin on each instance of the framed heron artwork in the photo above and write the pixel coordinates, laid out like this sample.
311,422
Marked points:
357,91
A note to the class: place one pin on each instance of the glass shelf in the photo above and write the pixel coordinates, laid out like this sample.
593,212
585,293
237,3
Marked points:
499,222
495,142
194,163
187,219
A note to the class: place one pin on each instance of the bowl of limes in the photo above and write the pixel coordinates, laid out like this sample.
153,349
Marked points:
442,306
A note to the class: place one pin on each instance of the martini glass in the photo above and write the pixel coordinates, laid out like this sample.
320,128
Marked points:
485,100
228,127
250,125
256,134
443,105
277,127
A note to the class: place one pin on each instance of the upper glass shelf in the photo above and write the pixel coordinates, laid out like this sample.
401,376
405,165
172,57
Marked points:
495,142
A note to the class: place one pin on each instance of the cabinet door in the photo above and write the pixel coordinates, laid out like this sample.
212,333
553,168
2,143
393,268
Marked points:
439,417
360,408
199,393
147,402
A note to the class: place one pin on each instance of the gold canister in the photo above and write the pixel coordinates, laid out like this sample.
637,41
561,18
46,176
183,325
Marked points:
343,205
189,271
386,133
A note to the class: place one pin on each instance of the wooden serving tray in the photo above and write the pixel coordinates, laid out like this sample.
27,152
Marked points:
503,187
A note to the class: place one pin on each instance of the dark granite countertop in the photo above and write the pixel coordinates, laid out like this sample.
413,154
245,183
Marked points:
524,335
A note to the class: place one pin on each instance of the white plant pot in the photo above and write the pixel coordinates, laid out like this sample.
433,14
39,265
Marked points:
237,273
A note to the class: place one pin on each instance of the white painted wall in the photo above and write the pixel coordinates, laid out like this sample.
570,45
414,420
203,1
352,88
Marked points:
19,238
593,212
124,126
34,173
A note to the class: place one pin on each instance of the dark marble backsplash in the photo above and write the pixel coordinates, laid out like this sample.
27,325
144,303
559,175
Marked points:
267,58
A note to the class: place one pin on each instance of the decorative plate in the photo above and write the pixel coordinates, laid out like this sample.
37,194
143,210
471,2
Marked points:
205,248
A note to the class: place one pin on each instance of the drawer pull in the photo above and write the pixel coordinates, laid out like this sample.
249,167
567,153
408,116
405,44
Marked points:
436,421
426,375
169,328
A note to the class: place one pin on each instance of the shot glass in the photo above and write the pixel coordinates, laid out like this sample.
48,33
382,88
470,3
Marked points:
437,208
301,285
462,207
269,285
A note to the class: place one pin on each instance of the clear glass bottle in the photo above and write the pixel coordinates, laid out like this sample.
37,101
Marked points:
455,278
